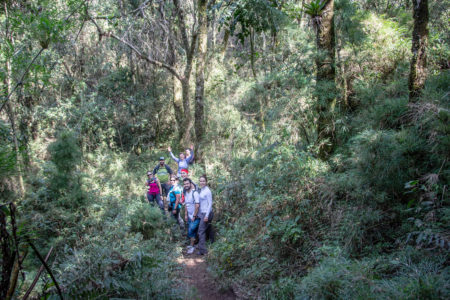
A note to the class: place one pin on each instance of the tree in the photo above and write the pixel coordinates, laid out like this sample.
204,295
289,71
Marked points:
322,14
200,69
418,71
172,28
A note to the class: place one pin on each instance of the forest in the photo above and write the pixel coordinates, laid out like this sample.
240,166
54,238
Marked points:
323,127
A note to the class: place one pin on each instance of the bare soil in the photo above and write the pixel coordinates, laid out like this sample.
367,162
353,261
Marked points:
196,276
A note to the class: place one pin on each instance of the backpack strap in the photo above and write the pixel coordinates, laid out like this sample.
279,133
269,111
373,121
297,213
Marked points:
155,170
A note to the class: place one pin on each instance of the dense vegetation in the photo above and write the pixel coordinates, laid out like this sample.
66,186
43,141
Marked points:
323,126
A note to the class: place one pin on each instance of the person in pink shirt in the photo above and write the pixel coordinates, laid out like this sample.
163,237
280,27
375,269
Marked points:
154,190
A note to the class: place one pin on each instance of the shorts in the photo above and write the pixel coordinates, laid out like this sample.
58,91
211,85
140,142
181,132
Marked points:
193,227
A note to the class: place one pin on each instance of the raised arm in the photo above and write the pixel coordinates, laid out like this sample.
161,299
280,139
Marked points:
173,156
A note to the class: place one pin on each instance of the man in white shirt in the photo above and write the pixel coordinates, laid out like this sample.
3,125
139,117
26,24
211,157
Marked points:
192,202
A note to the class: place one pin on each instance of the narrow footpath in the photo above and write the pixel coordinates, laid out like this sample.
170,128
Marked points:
195,275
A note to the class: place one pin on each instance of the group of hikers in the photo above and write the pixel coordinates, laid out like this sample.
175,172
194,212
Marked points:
182,194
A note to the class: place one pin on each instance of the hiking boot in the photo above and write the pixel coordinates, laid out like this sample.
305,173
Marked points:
190,250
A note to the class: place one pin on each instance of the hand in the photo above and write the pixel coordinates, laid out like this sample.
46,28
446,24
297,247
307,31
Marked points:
205,220
169,148
174,211
186,218
192,146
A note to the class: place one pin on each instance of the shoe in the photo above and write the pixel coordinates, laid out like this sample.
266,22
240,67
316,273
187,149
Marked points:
190,250
199,253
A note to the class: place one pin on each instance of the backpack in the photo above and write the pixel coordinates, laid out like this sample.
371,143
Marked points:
172,191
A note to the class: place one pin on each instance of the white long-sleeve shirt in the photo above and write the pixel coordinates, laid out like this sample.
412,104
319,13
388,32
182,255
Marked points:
205,201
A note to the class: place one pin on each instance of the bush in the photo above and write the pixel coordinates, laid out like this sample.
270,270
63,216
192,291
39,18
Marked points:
146,219
385,159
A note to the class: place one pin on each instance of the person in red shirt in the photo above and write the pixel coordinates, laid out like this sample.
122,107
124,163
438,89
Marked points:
154,190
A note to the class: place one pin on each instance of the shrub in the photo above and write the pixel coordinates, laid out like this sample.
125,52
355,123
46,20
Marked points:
146,219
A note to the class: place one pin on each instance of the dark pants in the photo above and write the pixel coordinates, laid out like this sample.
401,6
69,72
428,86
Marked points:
176,216
202,229
152,198
165,188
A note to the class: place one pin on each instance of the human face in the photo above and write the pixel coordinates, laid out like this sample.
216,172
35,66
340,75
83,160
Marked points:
187,185
161,162
182,156
173,181
202,182
184,174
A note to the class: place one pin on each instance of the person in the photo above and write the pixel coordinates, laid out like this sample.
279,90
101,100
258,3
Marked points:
183,161
206,214
190,152
174,196
185,174
164,172
154,190
192,202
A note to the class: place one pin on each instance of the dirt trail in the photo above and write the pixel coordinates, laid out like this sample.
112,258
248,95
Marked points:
196,276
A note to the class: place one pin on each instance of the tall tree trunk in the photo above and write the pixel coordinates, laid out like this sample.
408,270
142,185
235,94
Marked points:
189,47
418,71
301,13
200,70
177,100
186,138
326,73
252,51
7,254
177,103
226,37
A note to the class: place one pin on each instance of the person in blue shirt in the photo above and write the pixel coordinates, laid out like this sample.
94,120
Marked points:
174,197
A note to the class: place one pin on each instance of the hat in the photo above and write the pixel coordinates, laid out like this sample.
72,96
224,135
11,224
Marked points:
161,158
184,170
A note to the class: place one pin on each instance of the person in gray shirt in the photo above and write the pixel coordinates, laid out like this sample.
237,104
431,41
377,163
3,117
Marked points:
206,214
192,202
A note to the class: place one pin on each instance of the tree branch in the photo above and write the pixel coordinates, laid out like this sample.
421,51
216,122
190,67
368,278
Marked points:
138,53
182,26
47,268
32,62
21,79
36,278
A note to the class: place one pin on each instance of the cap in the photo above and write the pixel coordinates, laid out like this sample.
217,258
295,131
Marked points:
184,170
161,158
